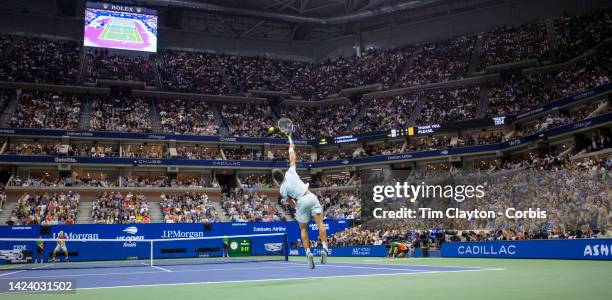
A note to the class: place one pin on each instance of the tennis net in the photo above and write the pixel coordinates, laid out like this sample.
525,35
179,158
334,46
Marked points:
25,254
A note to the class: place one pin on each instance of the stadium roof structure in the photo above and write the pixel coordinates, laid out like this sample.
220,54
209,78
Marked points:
286,21
304,20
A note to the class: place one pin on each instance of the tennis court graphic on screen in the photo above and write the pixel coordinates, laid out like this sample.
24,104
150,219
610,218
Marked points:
120,27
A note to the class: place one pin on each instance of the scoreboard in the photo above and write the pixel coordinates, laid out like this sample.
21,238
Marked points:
414,130
239,247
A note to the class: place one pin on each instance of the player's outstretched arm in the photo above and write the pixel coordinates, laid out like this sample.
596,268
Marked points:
292,155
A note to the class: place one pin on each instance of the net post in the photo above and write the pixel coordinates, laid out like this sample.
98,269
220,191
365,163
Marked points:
286,246
151,254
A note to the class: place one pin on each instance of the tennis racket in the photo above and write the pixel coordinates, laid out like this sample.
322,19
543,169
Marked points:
286,127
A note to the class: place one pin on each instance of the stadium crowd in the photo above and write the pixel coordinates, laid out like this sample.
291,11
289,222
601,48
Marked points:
515,43
573,192
188,208
387,113
516,92
440,61
103,65
183,71
186,117
244,206
513,93
46,110
255,123
575,34
445,106
548,182
253,73
41,61
115,208
45,181
120,114
323,121
340,205
45,209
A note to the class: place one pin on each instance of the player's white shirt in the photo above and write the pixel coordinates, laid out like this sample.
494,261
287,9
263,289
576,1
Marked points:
292,185
61,244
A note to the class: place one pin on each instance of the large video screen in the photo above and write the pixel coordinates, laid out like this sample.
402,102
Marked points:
120,27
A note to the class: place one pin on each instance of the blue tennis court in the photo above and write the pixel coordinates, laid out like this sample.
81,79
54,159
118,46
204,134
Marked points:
92,278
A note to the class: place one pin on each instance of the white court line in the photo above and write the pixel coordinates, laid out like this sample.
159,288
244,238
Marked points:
10,273
235,269
337,265
407,267
148,272
368,268
395,259
160,268
283,279
398,265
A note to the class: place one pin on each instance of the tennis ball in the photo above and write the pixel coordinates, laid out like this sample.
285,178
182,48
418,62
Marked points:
271,129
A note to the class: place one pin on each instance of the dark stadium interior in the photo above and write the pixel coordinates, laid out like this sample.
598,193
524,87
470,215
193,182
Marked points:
513,92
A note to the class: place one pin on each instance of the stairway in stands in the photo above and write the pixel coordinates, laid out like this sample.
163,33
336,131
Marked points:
272,113
223,130
357,119
9,110
407,67
85,114
417,109
82,65
483,102
158,78
154,116
299,91
10,47
222,213
84,216
225,76
5,214
283,212
155,212
475,60
551,36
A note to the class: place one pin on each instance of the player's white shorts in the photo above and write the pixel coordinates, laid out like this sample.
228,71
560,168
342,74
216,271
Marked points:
307,207
60,248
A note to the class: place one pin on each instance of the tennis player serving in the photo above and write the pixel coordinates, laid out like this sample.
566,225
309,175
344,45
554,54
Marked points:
306,203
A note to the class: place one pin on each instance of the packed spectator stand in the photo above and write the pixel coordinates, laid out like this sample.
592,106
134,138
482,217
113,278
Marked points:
187,117
188,208
245,206
515,43
120,114
47,110
45,208
53,61
41,61
191,72
119,208
102,65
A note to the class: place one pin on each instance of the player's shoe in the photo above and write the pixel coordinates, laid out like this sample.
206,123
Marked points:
323,256
311,261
